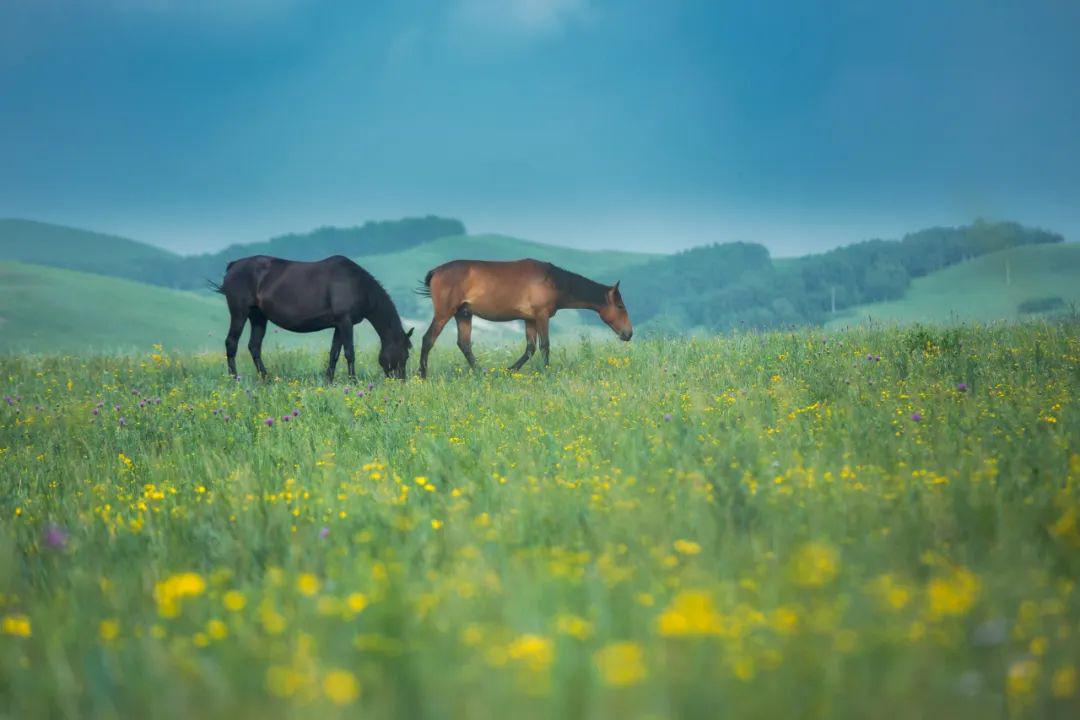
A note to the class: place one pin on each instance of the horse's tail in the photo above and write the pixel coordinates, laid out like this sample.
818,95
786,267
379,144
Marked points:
216,287
424,288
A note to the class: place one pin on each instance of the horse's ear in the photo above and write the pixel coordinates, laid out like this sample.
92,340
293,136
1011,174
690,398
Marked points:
409,334
615,287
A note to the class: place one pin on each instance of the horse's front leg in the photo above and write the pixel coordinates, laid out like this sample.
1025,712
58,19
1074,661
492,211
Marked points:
335,351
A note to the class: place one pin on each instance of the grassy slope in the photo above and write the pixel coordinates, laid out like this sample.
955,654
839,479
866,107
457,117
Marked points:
976,289
45,309
45,243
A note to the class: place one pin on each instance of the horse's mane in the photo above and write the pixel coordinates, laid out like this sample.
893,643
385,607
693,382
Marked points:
577,286
381,306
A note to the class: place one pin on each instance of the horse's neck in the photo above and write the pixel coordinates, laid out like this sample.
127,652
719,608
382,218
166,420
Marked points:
385,320
582,294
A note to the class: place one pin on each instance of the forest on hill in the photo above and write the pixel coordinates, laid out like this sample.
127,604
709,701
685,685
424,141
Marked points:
738,285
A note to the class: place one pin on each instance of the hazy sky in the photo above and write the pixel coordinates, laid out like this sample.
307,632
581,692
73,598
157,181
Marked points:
645,124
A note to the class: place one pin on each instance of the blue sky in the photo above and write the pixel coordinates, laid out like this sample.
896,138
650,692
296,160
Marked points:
639,124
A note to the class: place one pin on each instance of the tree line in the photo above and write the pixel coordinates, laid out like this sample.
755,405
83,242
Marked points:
738,285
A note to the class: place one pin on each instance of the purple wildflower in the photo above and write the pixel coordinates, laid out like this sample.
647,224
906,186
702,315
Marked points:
916,416
961,387
370,386
269,422
54,537
296,412
226,418
9,400
323,532
142,403
286,418
216,411
667,417
360,393
122,421
96,411
116,408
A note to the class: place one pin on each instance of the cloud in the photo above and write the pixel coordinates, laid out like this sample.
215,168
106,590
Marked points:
521,19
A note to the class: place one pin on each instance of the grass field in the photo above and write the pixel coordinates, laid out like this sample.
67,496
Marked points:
977,290
868,523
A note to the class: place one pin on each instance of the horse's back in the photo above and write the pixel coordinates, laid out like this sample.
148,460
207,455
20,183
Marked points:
492,289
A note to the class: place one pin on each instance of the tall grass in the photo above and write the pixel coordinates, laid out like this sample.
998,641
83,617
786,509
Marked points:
881,522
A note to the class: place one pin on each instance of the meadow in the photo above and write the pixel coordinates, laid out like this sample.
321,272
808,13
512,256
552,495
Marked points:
877,522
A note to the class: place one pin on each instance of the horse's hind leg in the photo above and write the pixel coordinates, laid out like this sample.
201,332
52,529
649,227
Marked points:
545,345
346,331
237,317
432,334
530,346
464,335
335,351
255,341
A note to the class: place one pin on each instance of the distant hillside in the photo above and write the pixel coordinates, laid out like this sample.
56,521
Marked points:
371,238
999,286
59,246
721,287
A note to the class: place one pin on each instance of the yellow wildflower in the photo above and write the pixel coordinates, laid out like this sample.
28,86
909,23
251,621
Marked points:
108,629
691,612
341,687
574,626
169,592
534,651
953,594
621,664
18,625
814,565
234,601
307,584
356,602
687,547
1063,683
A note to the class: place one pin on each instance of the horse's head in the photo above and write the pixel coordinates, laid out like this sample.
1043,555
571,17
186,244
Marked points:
613,312
395,354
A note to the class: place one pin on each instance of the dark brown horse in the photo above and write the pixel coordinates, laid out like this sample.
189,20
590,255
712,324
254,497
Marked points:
527,290
309,296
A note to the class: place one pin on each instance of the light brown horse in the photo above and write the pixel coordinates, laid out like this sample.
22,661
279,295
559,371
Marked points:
527,290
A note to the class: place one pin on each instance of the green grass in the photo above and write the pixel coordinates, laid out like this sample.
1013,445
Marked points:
756,526
976,290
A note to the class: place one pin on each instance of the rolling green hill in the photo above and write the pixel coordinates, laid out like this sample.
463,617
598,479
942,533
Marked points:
58,246
977,289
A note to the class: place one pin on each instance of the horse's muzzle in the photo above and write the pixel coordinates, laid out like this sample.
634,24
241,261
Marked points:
625,336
